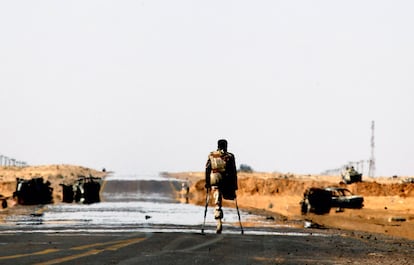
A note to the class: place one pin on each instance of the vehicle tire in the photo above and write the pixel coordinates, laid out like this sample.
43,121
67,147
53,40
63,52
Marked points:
304,207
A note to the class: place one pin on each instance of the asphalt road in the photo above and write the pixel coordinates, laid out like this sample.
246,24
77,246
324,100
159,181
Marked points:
312,247
140,223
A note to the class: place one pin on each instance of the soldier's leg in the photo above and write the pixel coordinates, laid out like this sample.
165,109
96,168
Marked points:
218,212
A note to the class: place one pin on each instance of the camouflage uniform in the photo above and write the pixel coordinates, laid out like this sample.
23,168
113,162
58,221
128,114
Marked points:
221,178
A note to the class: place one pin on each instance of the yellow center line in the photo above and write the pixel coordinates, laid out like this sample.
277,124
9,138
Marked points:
125,243
118,244
71,257
96,245
43,252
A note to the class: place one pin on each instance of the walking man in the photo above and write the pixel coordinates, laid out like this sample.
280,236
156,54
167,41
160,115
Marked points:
221,178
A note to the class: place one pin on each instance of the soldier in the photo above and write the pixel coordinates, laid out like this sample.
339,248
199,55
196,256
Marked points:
221,178
185,191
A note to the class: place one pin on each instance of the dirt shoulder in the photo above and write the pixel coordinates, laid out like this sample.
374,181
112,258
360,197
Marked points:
55,174
387,201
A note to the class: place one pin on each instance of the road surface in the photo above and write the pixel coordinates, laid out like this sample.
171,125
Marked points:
139,222
166,248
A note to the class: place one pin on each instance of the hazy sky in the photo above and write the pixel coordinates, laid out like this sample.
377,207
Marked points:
149,86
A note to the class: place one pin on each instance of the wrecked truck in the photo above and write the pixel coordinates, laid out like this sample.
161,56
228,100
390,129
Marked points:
85,190
33,191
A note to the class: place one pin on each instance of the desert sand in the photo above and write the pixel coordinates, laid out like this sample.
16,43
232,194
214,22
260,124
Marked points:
55,174
388,202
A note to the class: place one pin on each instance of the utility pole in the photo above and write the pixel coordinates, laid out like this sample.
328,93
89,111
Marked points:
371,171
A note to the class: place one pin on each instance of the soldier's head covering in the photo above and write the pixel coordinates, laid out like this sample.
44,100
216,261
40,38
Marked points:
222,145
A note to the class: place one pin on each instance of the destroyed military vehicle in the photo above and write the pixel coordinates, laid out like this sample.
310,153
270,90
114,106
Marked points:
85,190
320,200
350,175
33,191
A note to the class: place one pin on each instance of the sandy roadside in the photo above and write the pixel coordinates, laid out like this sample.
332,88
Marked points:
386,200
55,174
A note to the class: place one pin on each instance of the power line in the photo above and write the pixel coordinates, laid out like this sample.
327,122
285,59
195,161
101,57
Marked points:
8,161
371,171
359,165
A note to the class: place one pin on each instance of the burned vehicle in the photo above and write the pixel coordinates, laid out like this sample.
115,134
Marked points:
33,191
343,198
316,200
85,190
320,200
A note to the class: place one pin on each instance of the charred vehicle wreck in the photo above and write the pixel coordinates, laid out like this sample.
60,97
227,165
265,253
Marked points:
33,191
85,190
320,200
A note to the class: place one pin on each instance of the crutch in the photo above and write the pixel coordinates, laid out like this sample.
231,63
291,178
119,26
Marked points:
238,213
205,210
